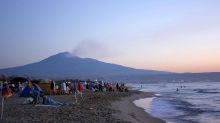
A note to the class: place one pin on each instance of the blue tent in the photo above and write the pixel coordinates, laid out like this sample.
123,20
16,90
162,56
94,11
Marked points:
26,90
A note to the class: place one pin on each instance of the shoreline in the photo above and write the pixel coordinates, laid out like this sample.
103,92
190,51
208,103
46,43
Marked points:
128,111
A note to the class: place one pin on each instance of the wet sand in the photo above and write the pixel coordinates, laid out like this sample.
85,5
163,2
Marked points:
128,111
94,108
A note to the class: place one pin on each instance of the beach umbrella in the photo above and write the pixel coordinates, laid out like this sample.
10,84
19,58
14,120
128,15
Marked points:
19,79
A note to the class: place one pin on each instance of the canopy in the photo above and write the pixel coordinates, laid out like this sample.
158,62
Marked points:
19,79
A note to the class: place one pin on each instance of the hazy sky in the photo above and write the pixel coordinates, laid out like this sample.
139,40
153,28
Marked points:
171,35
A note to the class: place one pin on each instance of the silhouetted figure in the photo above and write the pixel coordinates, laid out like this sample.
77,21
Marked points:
117,86
52,85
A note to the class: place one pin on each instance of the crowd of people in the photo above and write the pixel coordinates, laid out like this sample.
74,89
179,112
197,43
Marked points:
68,87
100,86
75,87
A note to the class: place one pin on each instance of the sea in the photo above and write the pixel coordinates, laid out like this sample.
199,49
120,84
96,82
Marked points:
192,102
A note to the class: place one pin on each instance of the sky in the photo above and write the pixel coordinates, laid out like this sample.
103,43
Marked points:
168,35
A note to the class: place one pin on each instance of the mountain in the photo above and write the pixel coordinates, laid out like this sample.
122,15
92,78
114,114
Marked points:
65,65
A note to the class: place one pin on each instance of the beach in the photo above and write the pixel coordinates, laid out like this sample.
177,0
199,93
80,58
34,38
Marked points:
129,111
98,107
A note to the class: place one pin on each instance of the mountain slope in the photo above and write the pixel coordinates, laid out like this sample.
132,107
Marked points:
65,65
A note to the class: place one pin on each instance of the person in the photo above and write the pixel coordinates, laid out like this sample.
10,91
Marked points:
68,89
63,88
57,88
126,89
100,86
6,92
110,88
17,85
77,88
35,94
92,86
88,82
49,101
30,85
73,88
87,85
52,85
80,88
117,86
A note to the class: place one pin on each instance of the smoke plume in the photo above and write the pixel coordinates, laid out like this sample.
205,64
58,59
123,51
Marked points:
92,49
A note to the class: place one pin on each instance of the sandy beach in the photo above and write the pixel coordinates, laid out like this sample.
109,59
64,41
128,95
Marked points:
128,111
107,107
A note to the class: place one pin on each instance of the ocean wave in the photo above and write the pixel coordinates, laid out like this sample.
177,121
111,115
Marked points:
206,91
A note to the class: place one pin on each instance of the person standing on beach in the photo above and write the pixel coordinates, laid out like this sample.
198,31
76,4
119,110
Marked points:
52,85
73,88
63,88
77,88
117,86
80,88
